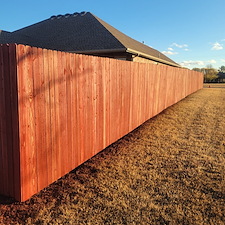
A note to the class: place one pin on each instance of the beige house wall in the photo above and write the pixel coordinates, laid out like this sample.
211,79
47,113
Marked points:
143,60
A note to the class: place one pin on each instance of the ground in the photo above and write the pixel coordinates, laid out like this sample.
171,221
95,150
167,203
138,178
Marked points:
170,170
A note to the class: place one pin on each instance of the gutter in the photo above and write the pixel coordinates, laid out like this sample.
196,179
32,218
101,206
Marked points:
129,50
99,51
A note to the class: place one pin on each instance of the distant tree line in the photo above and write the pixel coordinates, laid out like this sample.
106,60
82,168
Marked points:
211,74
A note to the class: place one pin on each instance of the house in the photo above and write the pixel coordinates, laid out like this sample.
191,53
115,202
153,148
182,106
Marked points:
85,33
221,77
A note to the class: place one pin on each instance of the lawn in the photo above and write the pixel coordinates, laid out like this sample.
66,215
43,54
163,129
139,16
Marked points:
170,170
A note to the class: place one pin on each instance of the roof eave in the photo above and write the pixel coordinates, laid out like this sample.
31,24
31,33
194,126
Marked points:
128,50
152,57
100,51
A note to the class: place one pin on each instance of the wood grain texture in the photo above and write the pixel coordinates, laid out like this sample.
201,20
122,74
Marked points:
72,106
9,140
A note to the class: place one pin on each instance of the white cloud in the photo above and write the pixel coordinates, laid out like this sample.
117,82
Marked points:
191,63
170,50
222,60
180,46
217,46
169,53
212,61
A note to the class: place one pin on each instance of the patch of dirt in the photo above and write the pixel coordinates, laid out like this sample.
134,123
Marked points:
170,170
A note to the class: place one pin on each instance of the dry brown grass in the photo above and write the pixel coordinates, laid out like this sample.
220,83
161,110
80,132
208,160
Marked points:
170,170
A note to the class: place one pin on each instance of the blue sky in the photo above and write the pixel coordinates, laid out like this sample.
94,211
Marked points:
191,32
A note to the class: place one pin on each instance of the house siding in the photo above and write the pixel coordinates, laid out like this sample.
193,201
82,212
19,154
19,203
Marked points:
143,60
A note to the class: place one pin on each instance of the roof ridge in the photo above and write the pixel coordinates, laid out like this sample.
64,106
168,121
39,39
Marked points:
83,13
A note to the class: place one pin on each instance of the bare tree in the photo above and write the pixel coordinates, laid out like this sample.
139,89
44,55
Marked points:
210,73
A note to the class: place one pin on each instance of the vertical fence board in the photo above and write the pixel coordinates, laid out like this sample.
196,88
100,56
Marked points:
81,106
52,128
54,90
106,101
3,136
74,112
40,104
27,134
100,105
47,115
127,88
69,109
5,154
63,115
113,96
9,155
15,164
93,111
77,149
8,122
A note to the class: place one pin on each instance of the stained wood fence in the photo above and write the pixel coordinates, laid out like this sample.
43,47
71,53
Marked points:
59,109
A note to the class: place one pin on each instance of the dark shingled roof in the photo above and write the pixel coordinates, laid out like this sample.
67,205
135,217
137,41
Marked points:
5,36
73,33
84,33
11,37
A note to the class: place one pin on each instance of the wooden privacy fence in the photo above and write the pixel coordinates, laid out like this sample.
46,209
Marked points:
59,109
